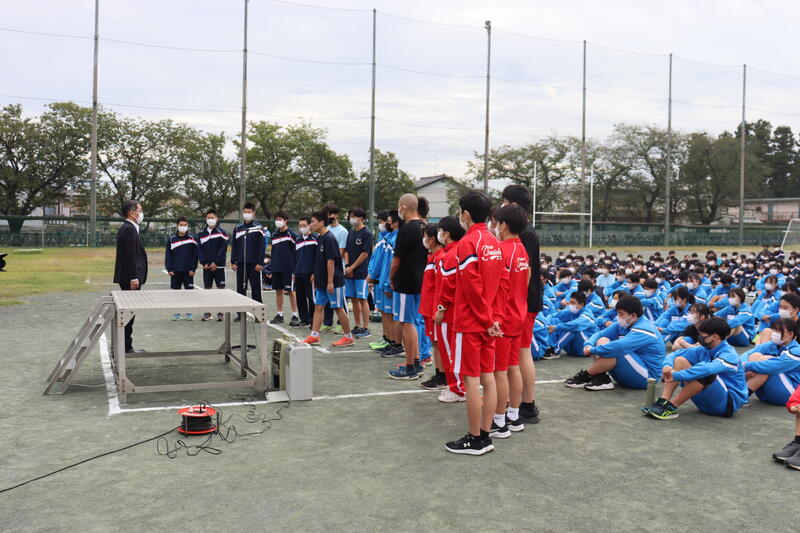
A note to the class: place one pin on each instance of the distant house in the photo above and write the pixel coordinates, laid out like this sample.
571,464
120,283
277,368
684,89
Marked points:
435,189
769,210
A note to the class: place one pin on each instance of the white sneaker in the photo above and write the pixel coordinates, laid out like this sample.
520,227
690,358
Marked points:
448,396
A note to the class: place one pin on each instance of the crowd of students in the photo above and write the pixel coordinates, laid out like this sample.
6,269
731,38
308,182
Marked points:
473,296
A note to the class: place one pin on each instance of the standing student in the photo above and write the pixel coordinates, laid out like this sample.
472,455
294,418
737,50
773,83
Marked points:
356,258
247,255
305,250
407,269
373,275
480,266
772,369
340,234
212,253
282,266
328,281
130,264
180,259
391,328
790,454
427,303
711,376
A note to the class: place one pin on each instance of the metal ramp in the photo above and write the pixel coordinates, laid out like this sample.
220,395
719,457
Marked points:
68,364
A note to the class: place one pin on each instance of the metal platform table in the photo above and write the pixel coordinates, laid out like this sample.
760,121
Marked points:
129,304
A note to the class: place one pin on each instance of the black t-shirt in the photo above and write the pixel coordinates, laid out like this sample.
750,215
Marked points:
531,243
327,248
691,332
413,257
359,241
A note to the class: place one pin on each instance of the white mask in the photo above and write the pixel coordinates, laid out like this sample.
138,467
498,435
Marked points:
622,322
425,243
776,337
734,301
463,224
140,217
628,271
382,227
440,236
279,224
773,271
649,292
659,281
211,222
769,286
784,313
573,308
183,229
353,221
691,318
690,285
632,286
303,230
497,232
247,217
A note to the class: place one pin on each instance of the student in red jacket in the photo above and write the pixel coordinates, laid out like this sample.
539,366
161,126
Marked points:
480,266
427,305
790,454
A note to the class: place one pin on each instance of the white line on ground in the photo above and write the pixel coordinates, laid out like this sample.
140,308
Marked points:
108,375
272,397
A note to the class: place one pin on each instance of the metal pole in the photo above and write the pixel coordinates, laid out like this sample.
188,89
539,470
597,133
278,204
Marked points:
486,134
92,240
535,172
582,208
591,206
243,147
371,212
741,159
668,179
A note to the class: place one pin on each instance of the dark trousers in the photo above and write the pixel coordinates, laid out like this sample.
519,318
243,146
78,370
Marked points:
129,325
181,279
305,297
245,274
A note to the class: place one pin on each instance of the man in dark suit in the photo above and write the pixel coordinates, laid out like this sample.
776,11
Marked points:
130,268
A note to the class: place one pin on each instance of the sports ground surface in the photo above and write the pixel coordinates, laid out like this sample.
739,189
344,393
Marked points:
354,460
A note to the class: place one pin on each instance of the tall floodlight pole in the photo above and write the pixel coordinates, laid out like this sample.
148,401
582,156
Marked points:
243,147
668,179
486,132
371,212
741,159
92,239
583,151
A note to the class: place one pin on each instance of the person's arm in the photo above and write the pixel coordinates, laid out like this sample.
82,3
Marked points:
448,283
611,333
126,243
168,259
633,340
742,317
202,252
786,362
234,249
581,323
703,369
330,265
471,282
261,250
223,250
193,261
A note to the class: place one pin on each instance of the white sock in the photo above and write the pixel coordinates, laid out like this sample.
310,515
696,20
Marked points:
280,313
315,333
295,315
499,420
513,413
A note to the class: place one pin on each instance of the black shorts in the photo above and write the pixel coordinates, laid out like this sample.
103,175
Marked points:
282,280
217,276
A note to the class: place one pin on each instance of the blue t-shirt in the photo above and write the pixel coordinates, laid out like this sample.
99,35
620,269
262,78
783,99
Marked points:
327,248
358,242
340,234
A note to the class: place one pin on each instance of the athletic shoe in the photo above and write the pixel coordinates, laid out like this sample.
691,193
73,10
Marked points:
376,317
326,329
551,354
363,333
600,382
277,319
238,317
403,373
311,340
499,432
793,462
189,316
663,411
438,381
344,341
393,350
790,450
206,317
528,412
448,396
220,317
515,425
338,329
579,380
470,445
303,325
176,316
379,345
294,322
420,369
646,408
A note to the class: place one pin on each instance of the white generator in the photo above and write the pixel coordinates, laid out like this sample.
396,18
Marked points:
292,368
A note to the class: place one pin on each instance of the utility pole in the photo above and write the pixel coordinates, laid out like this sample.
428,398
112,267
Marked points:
92,238
741,159
486,133
243,147
668,180
583,152
371,212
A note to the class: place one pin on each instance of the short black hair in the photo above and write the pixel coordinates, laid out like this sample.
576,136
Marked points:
128,206
650,284
305,219
726,279
423,207
790,286
182,219
630,304
514,217
585,285
451,225
739,292
591,273
281,213
701,309
431,230
321,216
331,209
634,277
518,194
786,324
358,212
477,204
714,326
683,293
211,212
249,205
791,299
382,214
394,215
579,297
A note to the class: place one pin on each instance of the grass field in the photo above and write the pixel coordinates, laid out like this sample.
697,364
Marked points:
365,455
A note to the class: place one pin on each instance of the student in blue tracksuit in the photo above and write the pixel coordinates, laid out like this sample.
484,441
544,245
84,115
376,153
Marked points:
376,261
711,375
305,250
652,303
212,254
539,341
180,259
773,369
571,328
593,300
391,327
695,286
788,307
616,285
564,285
609,316
718,297
631,350
739,317
768,294
247,254
673,320
688,337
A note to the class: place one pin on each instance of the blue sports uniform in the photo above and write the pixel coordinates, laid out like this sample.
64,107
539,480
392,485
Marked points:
328,249
673,321
180,258
638,349
358,242
247,251
572,330
374,268
593,301
783,371
653,305
213,249
740,315
726,389
385,285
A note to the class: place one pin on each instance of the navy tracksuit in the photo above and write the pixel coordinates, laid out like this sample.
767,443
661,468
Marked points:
180,258
248,251
282,254
213,249
305,250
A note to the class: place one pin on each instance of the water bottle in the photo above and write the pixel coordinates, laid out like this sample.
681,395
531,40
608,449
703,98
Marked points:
651,392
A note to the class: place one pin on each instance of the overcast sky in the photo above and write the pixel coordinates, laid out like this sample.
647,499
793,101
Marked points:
433,122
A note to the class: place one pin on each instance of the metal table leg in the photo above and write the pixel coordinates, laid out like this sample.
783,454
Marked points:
243,344
120,351
227,336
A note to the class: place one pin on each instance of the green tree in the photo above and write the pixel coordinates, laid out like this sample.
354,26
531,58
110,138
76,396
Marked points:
390,182
42,158
210,180
784,164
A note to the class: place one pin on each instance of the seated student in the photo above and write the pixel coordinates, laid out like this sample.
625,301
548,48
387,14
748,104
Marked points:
696,288
711,375
790,454
788,307
593,300
617,284
609,316
767,295
631,350
652,303
180,259
633,283
688,337
565,283
605,278
718,298
772,369
673,320
739,317
570,329
539,341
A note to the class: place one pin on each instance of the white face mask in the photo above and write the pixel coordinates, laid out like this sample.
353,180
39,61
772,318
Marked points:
463,224
353,221
773,271
497,232
690,285
211,222
440,236
183,229
247,217
628,271
279,224
303,230
425,243
659,281
691,318
649,292
623,322
140,217
784,313
776,337
632,286
769,286
734,301
573,308
381,227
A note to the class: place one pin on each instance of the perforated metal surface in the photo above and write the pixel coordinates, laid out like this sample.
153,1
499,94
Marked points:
223,300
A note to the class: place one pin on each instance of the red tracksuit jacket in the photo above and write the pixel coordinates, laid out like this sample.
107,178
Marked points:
794,399
427,305
511,302
480,267
446,280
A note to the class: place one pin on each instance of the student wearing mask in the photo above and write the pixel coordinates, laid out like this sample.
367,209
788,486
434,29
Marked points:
356,257
787,307
391,328
673,320
339,232
651,300
772,369
688,337
695,287
427,303
768,295
373,275
305,250
284,245
180,259
718,298
571,328
739,317
212,252
247,255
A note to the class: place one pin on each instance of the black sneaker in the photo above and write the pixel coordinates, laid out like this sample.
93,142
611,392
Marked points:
438,381
579,380
278,319
788,451
499,432
528,412
295,321
551,354
793,462
470,445
515,425
206,317
600,382
220,317
303,325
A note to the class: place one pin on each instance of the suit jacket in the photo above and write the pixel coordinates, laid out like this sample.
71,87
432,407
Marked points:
131,262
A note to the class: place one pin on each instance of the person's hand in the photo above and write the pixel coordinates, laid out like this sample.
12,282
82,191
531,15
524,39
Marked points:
369,279
134,284
348,272
330,287
551,329
213,267
206,267
796,409
235,267
438,318
172,273
765,318
608,323
259,268
191,273
659,328
587,350
666,372
494,330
